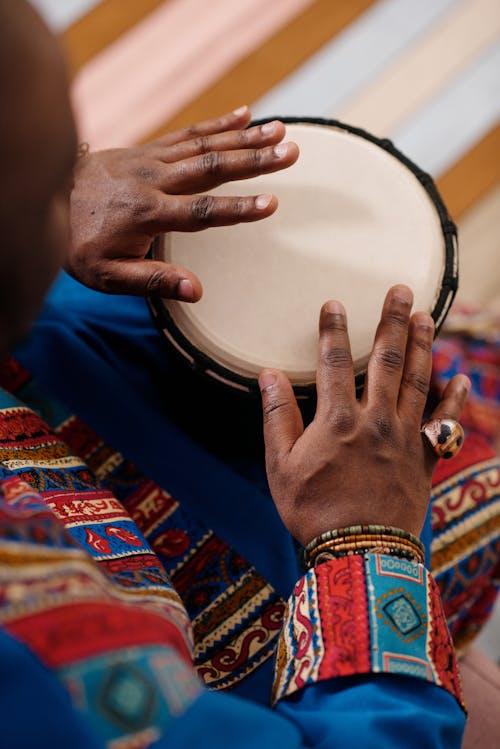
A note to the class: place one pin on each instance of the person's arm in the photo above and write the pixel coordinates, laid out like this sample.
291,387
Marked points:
125,197
364,653
328,689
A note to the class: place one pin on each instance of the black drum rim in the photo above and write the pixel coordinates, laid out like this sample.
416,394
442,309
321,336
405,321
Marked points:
200,362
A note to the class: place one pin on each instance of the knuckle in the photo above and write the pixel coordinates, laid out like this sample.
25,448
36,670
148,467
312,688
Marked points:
202,208
336,358
398,318
155,283
191,131
240,207
202,144
424,344
274,406
255,158
343,421
380,428
390,358
146,173
417,382
211,162
243,137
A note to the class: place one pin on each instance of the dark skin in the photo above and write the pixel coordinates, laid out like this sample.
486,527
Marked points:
124,198
358,461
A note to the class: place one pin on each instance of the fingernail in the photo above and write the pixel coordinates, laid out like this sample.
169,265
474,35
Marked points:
185,291
335,308
281,150
240,111
402,294
263,201
268,129
466,383
266,380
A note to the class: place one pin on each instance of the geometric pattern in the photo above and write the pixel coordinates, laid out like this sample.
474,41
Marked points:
113,650
465,549
139,535
362,614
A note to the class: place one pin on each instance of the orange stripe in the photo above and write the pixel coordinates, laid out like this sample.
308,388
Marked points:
271,62
471,177
101,26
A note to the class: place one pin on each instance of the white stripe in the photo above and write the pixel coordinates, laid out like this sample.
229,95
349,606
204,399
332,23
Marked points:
479,252
62,13
430,64
438,135
352,59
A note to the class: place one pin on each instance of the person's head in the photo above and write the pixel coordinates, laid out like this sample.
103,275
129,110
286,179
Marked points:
37,153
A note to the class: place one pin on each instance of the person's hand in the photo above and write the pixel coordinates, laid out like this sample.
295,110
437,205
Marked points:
358,462
123,198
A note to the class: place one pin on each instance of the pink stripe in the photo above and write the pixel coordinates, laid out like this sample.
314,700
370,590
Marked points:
168,59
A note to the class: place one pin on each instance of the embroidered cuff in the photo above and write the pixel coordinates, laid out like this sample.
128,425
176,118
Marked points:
365,614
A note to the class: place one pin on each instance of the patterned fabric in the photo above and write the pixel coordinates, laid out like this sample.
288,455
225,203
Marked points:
103,500
235,614
122,657
466,538
358,615
470,343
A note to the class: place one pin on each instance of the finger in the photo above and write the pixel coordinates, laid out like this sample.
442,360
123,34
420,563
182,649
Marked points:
450,407
453,399
145,277
282,418
259,136
417,368
385,366
239,118
335,376
198,212
211,169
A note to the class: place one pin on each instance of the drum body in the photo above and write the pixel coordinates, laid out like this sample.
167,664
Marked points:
355,216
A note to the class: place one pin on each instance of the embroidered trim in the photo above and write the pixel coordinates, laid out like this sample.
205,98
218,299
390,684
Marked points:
358,615
125,665
466,546
236,614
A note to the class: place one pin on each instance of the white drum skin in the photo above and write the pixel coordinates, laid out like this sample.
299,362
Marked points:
352,220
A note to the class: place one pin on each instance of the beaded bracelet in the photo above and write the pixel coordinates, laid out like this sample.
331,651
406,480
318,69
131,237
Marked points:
363,539
367,543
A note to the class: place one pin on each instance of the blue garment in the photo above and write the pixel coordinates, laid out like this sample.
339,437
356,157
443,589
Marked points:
102,356
372,712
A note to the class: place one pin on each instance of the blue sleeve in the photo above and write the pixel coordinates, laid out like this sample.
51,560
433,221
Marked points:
373,711
370,712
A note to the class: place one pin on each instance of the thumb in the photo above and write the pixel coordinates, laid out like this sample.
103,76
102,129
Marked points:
142,277
283,423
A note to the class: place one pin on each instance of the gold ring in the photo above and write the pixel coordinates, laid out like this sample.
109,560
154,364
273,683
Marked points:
445,436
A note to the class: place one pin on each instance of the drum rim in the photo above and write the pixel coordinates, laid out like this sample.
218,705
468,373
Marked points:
200,362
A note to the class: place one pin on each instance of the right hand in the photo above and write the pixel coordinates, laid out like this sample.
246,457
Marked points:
358,462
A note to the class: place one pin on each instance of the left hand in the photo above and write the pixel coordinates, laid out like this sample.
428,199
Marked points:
123,198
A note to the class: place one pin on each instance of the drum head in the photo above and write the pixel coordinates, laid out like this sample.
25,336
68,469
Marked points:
354,218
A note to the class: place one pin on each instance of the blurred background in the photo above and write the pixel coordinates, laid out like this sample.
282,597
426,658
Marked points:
425,73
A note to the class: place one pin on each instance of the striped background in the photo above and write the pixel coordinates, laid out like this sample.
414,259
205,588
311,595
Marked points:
425,73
